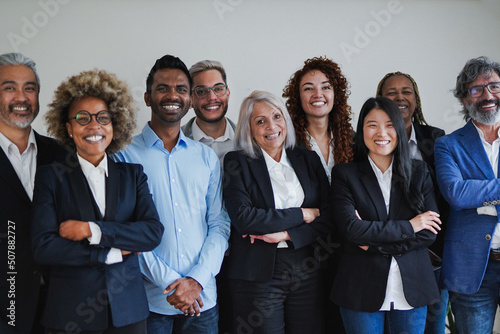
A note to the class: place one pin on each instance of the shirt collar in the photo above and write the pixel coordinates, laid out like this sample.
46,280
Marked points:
151,138
378,172
481,133
413,136
270,162
87,167
5,143
198,133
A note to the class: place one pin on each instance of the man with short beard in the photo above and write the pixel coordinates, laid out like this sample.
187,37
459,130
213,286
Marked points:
467,173
184,177
22,150
209,99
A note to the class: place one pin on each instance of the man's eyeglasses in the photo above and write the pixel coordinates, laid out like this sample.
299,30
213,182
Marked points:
84,117
202,91
477,91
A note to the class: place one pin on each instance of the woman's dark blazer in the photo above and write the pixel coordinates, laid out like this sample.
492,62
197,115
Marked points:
249,199
79,277
361,281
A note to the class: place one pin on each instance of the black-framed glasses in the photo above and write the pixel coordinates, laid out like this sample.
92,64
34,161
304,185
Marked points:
83,117
202,91
477,91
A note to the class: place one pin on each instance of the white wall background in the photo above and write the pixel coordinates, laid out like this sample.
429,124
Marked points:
261,43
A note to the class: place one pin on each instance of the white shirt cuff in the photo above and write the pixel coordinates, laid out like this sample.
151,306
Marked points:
114,256
95,238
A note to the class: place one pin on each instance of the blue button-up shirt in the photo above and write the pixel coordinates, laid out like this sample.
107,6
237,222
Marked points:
186,188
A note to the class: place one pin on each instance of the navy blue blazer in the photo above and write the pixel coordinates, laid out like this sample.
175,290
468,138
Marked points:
361,281
81,284
249,199
15,209
467,182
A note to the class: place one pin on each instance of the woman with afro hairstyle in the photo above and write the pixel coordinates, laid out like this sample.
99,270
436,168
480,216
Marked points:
92,216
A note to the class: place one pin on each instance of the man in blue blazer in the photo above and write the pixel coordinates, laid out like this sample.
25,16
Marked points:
467,174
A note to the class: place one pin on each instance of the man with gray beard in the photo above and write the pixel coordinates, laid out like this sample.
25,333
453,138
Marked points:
22,150
467,174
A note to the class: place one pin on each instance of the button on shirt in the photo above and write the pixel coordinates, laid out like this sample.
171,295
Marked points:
491,151
220,145
394,292
186,188
287,190
24,163
96,179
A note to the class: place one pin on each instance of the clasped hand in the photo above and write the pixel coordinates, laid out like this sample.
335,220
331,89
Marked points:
186,296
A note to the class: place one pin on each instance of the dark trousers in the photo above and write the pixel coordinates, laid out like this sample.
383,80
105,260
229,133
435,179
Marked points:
292,301
137,328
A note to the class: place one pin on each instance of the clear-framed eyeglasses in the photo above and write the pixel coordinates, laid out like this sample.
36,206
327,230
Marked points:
202,91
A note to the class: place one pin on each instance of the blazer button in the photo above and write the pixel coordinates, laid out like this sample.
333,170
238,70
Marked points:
404,236
487,237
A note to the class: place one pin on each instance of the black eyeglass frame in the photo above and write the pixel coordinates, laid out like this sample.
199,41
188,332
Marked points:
96,115
482,89
196,89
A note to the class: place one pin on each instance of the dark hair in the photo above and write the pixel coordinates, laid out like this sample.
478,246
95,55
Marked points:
170,62
402,163
473,69
418,116
339,118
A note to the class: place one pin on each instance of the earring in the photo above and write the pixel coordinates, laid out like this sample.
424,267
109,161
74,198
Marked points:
71,136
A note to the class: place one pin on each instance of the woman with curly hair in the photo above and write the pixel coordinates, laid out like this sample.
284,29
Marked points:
92,216
317,101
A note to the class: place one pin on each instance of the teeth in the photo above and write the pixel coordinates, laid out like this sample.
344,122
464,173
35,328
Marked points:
93,138
212,107
381,142
273,136
490,105
318,103
20,108
171,107
403,108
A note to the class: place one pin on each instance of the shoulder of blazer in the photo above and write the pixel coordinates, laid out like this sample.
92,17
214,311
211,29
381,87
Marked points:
427,132
187,128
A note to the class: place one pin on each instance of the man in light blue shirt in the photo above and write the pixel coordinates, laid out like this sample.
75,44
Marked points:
184,177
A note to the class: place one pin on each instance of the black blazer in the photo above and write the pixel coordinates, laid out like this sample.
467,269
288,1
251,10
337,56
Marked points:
426,137
249,199
15,209
362,277
78,273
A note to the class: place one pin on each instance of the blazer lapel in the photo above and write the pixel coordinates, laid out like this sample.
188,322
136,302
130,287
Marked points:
259,169
82,194
300,168
369,181
473,146
9,175
112,190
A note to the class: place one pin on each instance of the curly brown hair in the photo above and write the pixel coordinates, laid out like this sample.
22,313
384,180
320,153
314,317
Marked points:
102,85
339,119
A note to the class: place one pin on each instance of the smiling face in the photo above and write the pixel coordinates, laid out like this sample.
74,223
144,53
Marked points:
212,108
268,129
380,136
316,94
400,89
18,96
484,109
169,98
91,140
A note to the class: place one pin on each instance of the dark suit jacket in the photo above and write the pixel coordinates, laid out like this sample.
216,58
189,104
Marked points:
426,137
79,277
249,199
15,206
361,281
